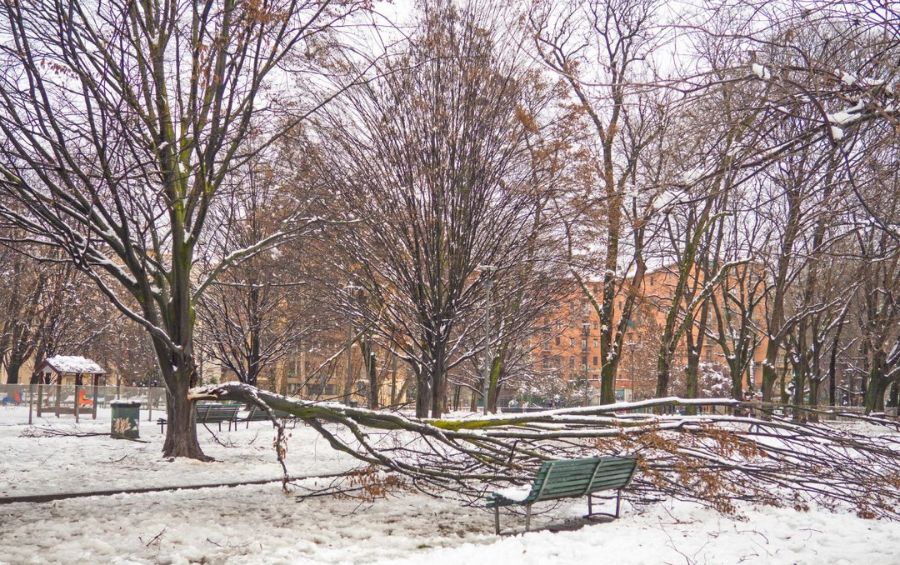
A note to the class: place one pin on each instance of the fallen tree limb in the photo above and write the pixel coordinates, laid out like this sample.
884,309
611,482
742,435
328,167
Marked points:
715,459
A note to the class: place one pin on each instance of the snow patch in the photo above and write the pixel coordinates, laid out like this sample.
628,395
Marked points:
761,72
73,364
516,493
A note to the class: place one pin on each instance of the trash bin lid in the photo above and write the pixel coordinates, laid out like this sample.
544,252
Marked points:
125,403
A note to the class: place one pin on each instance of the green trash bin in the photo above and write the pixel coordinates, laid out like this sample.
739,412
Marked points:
126,415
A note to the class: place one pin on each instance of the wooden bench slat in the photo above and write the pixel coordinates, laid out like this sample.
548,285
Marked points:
588,483
606,467
611,485
611,477
580,487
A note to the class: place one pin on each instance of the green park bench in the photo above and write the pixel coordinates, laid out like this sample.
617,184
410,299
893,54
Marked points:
257,414
569,478
212,414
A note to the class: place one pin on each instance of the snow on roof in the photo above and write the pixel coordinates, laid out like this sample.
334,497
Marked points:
72,364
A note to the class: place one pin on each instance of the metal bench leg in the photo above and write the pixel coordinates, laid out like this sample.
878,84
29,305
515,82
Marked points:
590,504
528,518
497,520
618,500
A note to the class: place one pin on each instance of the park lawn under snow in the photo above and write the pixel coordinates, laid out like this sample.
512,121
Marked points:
260,524
43,465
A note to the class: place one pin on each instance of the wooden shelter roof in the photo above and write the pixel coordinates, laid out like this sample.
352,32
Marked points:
70,364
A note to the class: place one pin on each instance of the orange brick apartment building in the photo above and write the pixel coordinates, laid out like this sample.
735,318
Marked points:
570,347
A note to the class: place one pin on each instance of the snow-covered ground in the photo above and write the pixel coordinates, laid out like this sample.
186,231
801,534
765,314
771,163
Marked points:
260,524
41,465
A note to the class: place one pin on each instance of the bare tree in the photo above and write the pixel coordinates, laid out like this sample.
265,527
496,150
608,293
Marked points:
430,159
38,310
878,314
120,123
256,313
601,50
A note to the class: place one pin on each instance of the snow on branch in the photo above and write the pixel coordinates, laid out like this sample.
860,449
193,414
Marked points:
249,251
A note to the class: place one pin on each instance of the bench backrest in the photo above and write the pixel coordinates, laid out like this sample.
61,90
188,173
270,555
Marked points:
577,477
216,413
259,413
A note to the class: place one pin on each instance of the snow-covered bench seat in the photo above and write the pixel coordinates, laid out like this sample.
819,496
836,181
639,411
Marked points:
568,478
211,414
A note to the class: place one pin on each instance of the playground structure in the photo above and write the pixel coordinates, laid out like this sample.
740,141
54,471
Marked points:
55,371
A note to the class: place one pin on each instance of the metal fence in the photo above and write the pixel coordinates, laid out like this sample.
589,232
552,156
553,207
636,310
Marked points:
24,403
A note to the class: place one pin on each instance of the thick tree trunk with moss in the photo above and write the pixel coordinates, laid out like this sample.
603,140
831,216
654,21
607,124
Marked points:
181,427
877,384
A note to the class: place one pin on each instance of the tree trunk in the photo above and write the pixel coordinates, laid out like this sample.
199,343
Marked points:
770,375
692,375
254,361
798,395
423,392
877,385
439,378
494,384
875,394
371,372
894,396
663,370
348,379
784,395
735,369
12,372
181,427
393,380
832,367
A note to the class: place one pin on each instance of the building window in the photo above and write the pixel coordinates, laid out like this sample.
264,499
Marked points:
596,343
572,363
595,360
546,363
584,361
558,340
584,343
571,342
